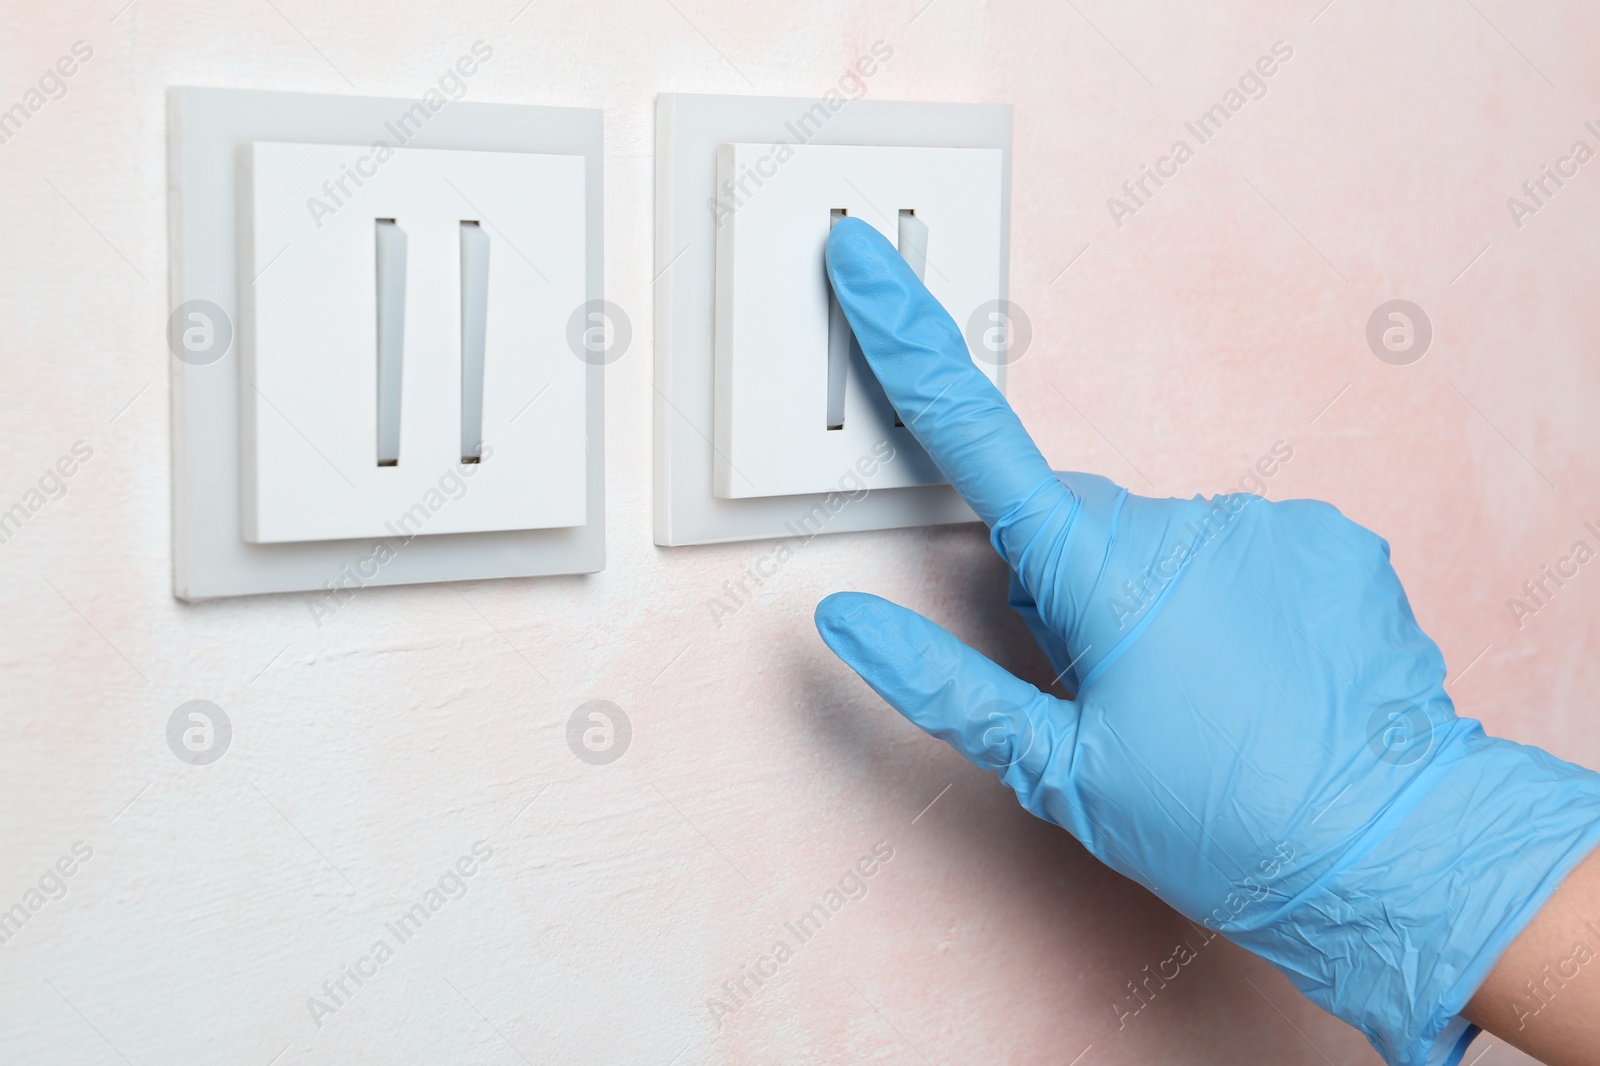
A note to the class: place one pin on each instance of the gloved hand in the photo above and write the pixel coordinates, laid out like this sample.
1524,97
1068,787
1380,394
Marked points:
1260,733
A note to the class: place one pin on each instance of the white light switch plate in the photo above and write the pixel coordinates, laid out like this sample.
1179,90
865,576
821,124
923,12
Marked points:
309,341
772,303
210,132
870,480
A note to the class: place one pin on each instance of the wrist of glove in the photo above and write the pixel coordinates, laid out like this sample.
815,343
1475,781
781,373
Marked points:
1403,921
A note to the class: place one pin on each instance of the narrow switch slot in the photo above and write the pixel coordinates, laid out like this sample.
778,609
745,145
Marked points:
839,338
474,326
391,286
912,244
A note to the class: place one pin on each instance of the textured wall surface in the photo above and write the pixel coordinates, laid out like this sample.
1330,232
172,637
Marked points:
1175,343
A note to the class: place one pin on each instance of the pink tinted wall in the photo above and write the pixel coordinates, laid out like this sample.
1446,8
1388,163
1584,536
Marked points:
1177,339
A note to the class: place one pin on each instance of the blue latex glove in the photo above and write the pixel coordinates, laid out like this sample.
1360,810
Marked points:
1261,734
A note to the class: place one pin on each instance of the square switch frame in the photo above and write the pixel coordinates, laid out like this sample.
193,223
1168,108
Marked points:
776,316
207,133
690,128
309,339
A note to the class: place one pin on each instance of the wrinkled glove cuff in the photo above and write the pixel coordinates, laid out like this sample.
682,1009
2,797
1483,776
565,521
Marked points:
1406,924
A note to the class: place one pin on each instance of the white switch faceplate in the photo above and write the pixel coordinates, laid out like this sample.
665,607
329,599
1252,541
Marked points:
773,426
312,467
746,190
276,448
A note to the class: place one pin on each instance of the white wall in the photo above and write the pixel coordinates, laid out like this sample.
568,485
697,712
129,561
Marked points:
368,755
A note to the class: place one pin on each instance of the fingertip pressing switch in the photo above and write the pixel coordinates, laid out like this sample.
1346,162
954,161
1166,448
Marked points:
912,244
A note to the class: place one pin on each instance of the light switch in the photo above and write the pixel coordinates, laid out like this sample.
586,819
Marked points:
474,336
769,422
395,394
415,331
796,402
390,276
